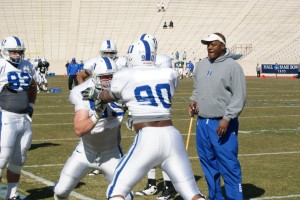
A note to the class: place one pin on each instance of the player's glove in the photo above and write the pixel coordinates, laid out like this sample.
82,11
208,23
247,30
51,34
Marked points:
30,110
129,123
99,108
90,93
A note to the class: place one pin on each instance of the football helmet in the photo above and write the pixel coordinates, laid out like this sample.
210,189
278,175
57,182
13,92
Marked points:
104,68
108,46
149,38
12,43
163,61
141,53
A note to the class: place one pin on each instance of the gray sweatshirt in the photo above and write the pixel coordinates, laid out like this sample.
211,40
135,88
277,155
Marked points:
219,88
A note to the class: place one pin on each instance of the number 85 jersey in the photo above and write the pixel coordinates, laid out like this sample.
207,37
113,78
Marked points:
16,78
146,90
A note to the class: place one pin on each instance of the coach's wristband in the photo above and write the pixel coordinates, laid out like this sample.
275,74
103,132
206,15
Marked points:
94,119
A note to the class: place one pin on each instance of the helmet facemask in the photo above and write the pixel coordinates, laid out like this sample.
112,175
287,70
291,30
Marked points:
102,81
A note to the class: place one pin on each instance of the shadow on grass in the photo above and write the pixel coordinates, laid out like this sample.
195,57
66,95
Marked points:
40,193
252,191
46,144
44,192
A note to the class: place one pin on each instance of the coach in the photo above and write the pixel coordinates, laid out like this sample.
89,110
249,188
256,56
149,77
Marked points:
219,95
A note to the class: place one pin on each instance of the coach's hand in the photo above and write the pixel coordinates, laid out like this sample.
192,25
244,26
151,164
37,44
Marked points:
193,110
90,93
222,127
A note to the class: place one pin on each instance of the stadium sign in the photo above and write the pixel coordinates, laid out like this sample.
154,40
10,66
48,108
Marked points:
279,68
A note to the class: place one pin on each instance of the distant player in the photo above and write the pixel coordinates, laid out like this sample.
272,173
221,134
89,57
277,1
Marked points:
17,96
43,67
109,49
189,69
147,91
99,128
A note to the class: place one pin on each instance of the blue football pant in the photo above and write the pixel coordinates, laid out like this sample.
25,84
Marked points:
218,157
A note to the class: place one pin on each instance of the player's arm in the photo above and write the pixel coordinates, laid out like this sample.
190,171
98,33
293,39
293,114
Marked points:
32,92
83,124
81,76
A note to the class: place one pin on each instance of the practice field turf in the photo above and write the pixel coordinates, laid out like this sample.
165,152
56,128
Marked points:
269,142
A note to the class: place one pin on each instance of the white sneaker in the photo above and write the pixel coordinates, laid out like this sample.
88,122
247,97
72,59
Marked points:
148,190
94,172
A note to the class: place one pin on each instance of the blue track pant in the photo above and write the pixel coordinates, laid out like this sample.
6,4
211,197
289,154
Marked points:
218,157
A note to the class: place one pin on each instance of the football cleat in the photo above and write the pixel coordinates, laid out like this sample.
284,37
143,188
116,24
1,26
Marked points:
148,190
15,198
167,193
94,172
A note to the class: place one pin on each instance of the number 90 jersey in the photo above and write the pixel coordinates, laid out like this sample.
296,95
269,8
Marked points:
18,78
147,91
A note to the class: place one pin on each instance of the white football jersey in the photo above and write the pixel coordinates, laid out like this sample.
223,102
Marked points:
106,133
146,90
18,78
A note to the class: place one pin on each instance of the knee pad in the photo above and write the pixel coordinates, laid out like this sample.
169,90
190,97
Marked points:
14,168
59,198
61,193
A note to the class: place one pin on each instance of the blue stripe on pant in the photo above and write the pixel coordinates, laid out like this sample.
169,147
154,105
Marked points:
218,157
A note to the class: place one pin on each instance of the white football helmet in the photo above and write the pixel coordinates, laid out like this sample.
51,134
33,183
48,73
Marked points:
149,38
141,53
12,43
102,69
163,61
108,46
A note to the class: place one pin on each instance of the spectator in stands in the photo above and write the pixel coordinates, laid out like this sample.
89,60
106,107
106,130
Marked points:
258,69
219,77
184,56
158,7
165,25
72,71
162,7
171,24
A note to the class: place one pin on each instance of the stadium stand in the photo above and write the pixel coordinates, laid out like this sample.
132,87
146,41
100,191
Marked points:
62,29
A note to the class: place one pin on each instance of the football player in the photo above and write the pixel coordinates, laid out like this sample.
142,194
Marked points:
147,91
168,191
109,49
43,67
98,127
17,97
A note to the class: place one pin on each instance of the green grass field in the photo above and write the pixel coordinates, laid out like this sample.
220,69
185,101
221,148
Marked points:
269,141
